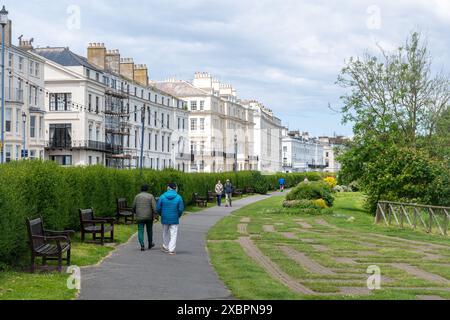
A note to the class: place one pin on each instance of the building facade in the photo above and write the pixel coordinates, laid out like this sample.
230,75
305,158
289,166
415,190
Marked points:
330,146
267,137
24,102
301,153
102,110
220,128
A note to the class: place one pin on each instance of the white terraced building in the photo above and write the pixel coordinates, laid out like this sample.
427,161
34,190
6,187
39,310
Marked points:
97,106
267,137
221,130
302,153
24,101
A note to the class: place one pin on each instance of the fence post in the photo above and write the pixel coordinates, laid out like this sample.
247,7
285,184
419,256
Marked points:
401,216
430,228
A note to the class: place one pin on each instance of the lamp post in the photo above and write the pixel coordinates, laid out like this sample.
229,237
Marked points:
235,153
24,149
142,138
3,22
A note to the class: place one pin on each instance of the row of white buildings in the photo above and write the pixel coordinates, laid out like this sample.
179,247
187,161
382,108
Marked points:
102,109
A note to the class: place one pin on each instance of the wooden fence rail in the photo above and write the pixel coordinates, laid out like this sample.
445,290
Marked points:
430,218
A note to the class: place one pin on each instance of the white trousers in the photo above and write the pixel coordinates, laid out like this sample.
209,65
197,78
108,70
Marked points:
170,233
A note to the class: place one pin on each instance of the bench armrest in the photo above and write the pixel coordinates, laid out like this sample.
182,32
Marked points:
94,221
63,233
108,220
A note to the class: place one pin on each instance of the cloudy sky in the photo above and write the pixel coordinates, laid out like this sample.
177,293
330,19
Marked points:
285,53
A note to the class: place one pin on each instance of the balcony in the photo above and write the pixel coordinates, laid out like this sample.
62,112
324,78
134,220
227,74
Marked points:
13,95
80,145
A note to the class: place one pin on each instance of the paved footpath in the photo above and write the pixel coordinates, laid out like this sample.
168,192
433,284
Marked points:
129,274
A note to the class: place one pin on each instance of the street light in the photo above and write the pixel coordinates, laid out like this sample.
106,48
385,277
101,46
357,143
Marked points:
24,149
3,22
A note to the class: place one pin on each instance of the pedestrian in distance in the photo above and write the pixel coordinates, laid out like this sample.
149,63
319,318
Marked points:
170,207
228,188
144,206
281,182
219,192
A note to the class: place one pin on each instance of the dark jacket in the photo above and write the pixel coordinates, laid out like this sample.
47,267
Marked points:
228,187
170,206
144,205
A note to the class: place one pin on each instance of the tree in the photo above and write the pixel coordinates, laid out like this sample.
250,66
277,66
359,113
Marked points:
395,102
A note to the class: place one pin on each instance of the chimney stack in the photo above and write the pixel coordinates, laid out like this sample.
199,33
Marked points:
141,74
96,54
112,62
127,68
26,45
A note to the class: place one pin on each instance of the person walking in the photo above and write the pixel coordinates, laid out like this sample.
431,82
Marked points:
144,206
170,207
219,192
228,188
282,183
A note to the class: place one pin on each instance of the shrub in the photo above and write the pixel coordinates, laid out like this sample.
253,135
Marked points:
34,188
331,181
300,204
320,203
312,191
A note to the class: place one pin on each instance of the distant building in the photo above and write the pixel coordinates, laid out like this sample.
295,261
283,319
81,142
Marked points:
330,144
267,137
97,107
220,128
301,153
24,101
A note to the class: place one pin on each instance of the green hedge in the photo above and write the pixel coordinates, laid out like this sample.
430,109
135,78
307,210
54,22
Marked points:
33,188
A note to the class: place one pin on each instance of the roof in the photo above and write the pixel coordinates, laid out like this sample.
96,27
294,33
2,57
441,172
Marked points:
180,89
64,57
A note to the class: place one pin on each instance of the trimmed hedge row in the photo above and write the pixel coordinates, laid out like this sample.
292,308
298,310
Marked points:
33,188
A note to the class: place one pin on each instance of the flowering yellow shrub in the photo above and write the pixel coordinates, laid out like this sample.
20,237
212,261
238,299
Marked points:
320,203
331,181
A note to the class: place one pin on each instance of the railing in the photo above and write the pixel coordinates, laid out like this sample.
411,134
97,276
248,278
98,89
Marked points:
429,218
76,144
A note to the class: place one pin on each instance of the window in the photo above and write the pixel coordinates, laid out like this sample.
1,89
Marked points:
41,127
60,101
163,139
193,124
168,144
10,60
156,142
202,105
202,124
8,151
20,63
37,69
36,96
97,134
155,118
135,113
98,160
97,104
31,67
90,102
162,100
33,127
149,141
90,132
62,160
149,117
179,122
168,121
8,119
97,77
17,152
184,124
18,116
156,98
60,136
90,160
193,105
135,138
162,120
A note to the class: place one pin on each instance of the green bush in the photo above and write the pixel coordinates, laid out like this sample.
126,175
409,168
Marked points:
312,190
35,188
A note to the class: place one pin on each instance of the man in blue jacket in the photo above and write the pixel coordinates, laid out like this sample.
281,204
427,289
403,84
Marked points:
170,207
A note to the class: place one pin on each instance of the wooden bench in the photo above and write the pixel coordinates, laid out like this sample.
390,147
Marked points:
237,193
211,196
199,200
48,244
123,210
249,190
94,226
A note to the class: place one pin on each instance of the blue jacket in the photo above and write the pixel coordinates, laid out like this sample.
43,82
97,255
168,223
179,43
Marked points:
170,206
281,181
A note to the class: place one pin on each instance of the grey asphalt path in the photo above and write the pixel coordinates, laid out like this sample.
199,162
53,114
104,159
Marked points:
129,274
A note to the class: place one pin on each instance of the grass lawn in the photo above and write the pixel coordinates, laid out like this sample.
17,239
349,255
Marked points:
17,285
343,244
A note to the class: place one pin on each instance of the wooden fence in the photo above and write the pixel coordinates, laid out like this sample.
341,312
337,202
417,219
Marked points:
430,218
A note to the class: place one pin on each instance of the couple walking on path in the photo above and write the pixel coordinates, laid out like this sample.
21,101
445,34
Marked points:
226,189
169,207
